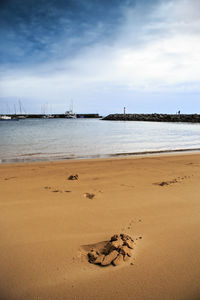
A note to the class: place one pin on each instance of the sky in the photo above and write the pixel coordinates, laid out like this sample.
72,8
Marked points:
100,55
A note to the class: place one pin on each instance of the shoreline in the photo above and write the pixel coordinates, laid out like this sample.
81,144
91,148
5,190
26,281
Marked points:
147,153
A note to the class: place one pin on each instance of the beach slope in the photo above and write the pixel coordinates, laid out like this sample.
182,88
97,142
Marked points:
49,223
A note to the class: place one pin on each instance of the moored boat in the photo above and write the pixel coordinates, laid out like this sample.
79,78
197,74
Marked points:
70,115
8,118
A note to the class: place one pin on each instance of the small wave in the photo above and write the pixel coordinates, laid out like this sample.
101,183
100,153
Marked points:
31,154
156,152
33,158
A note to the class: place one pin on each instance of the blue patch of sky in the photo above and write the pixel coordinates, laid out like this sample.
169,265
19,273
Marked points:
39,30
35,31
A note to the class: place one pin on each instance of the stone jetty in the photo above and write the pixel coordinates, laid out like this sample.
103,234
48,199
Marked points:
190,118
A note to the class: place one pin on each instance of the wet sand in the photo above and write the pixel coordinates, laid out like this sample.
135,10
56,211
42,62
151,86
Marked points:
49,223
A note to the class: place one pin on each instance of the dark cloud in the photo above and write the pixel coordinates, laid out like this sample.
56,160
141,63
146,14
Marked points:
39,30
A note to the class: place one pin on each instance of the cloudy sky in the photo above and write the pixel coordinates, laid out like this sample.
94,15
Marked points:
100,54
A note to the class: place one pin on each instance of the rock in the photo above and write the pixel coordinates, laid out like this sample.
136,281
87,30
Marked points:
128,241
93,255
117,244
73,177
125,237
116,251
99,259
118,260
125,257
126,251
115,237
109,258
108,248
129,244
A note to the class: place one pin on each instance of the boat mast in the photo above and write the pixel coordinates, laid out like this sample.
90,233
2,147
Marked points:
20,107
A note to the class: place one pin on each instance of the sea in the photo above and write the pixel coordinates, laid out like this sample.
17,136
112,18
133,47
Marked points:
59,139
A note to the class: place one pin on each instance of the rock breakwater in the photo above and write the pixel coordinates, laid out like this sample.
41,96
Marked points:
190,118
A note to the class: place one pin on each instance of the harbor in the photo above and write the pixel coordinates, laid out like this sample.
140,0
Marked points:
8,117
185,118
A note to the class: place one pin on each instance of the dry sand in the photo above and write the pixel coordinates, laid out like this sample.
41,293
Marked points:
48,224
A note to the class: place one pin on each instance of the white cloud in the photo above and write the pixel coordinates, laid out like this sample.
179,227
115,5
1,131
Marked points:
157,51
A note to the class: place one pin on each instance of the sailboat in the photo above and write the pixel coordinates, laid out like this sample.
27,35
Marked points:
9,117
69,113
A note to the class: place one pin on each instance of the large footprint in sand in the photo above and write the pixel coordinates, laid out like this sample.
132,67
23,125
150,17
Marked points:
116,251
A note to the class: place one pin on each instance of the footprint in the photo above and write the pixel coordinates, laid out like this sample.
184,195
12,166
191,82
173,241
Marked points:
127,185
162,183
175,180
57,191
47,187
8,178
90,196
73,177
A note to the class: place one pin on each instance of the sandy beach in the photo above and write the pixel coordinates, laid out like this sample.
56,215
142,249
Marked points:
48,224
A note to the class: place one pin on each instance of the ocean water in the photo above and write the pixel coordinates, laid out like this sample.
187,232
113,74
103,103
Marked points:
52,139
